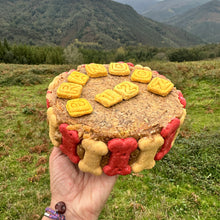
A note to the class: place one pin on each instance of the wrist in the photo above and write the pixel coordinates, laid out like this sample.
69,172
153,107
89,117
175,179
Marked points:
75,213
57,213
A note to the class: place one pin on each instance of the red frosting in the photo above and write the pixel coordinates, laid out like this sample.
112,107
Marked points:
70,140
120,154
168,133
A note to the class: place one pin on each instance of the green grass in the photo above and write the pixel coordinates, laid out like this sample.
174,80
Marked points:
184,185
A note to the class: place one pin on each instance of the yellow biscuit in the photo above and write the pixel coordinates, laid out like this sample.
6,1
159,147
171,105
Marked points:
138,66
54,83
143,76
160,86
94,150
69,90
96,70
119,69
54,133
182,118
148,147
108,98
127,89
78,78
78,107
147,68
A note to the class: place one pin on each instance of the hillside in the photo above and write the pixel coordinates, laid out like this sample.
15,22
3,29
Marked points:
105,22
203,21
165,10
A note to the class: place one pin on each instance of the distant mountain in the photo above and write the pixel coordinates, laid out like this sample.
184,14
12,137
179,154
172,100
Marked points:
139,5
203,21
164,10
105,22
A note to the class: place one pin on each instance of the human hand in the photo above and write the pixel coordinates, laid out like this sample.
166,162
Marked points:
83,193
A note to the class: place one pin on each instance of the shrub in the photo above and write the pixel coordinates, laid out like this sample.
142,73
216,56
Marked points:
184,54
19,79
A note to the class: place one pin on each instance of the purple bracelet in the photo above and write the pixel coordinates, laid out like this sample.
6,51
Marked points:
50,213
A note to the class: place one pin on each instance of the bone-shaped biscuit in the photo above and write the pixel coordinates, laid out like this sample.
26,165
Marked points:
70,140
56,81
148,147
181,99
94,150
48,102
121,150
55,137
182,118
168,133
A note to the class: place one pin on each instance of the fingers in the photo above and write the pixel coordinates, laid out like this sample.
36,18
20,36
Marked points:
111,180
57,157
54,154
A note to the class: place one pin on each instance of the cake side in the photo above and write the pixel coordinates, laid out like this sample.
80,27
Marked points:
137,121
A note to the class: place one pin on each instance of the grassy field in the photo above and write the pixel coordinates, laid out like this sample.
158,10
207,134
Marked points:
184,185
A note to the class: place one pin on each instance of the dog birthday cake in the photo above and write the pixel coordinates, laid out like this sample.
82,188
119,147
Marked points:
114,118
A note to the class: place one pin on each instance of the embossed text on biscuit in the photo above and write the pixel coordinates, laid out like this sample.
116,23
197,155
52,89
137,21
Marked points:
160,86
119,69
108,98
78,78
78,107
96,70
127,89
69,90
143,76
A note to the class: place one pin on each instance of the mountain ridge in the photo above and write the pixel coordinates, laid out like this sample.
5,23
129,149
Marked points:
201,21
165,10
139,5
60,22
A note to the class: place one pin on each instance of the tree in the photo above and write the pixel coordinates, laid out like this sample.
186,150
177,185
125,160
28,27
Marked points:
72,55
6,45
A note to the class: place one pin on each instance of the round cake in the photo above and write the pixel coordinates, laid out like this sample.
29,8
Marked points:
114,118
